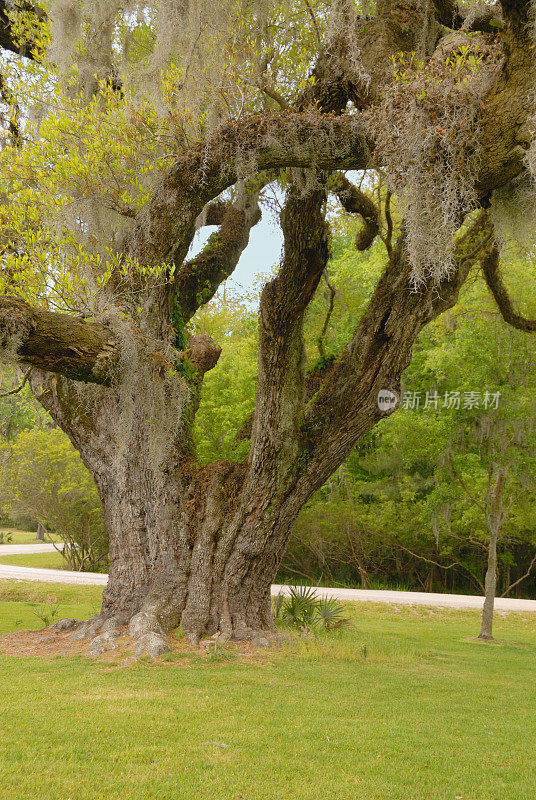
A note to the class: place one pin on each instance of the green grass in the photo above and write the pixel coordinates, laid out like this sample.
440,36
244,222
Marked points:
53,560
404,705
25,537
20,600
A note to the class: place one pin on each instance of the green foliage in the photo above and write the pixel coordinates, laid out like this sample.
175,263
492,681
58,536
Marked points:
228,390
307,612
397,514
47,613
18,411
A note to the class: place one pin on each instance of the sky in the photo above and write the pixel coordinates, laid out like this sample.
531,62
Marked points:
264,248
262,252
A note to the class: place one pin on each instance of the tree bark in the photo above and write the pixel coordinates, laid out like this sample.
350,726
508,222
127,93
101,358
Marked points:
187,543
80,350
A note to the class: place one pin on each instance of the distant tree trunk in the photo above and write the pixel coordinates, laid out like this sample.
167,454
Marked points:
40,535
507,580
494,522
430,579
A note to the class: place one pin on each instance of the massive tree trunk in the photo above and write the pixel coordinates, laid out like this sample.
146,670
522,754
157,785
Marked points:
187,543
201,545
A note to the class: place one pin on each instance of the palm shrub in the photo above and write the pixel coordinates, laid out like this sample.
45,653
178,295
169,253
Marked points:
304,610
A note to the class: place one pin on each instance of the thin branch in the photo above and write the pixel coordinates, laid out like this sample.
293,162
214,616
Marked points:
355,201
332,294
269,91
442,566
513,501
522,578
428,560
462,483
389,220
20,387
10,38
315,24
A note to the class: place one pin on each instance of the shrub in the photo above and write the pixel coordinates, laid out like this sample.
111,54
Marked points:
307,612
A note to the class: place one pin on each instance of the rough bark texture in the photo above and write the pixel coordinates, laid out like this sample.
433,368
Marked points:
202,545
82,351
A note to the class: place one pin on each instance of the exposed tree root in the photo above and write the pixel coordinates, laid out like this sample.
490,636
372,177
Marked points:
149,628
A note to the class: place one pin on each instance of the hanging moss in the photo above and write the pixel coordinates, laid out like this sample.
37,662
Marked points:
427,136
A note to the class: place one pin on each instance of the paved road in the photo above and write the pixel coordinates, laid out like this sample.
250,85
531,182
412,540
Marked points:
19,549
355,595
51,575
34,574
419,598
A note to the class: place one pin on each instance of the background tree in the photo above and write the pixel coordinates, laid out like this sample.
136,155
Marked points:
42,477
174,116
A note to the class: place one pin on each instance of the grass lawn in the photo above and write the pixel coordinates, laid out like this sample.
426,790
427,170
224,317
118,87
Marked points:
404,705
25,537
53,560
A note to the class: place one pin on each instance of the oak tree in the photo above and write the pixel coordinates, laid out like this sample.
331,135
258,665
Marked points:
157,118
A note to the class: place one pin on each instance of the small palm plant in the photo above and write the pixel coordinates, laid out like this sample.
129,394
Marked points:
304,610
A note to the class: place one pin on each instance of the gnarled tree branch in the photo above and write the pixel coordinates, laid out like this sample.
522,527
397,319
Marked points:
198,279
82,351
280,385
356,201
346,405
491,269
164,227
